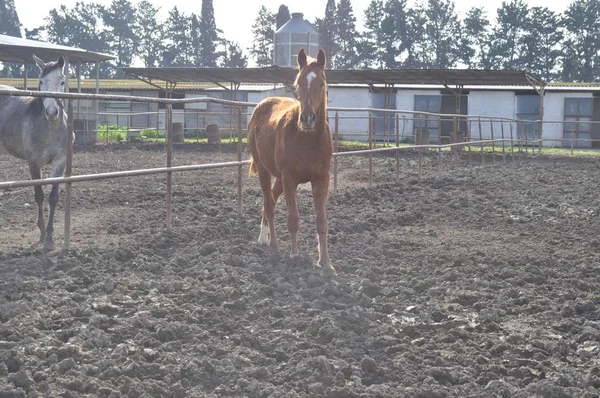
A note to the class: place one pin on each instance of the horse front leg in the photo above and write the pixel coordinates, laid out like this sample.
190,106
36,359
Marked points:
267,226
290,187
320,189
58,169
36,174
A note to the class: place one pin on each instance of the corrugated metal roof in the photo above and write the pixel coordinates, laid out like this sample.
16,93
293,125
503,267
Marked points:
548,87
451,77
16,49
109,84
131,84
297,24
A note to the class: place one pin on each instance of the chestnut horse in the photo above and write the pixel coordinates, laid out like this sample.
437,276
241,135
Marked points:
290,139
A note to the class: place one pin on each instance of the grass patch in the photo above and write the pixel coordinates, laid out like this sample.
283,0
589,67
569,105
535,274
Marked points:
112,133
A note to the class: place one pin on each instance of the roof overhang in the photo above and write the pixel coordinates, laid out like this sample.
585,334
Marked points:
16,49
447,77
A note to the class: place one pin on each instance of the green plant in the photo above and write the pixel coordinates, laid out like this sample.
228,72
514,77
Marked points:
152,133
112,133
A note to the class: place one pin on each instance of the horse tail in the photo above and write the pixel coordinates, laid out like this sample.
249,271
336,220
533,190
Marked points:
253,167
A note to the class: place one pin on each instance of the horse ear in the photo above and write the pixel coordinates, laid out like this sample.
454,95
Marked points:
61,61
321,58
301,58
40,64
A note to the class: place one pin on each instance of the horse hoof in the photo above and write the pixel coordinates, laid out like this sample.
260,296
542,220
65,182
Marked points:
49,245
326,265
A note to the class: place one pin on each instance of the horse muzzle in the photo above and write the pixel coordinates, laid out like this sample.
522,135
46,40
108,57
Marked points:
308,120
52,115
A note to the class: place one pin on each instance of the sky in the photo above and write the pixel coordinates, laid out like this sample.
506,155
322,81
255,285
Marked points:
235,17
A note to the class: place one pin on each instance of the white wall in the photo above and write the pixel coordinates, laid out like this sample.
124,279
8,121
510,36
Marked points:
491,103
350,128
405,101
554,111
257,96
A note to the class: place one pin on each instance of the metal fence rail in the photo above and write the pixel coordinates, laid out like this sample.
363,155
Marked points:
68,179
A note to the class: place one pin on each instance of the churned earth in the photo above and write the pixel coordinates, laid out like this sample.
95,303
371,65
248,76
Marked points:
471,281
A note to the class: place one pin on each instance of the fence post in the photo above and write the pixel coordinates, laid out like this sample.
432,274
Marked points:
481,139
397,146
468,134
503,144
493,141
169,121
239,151
440,144
68,171
336,149
512,142
420,142
370,147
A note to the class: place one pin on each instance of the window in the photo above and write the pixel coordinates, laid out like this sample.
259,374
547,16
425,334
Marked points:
578,111
528,108
385,122
429,123
163,94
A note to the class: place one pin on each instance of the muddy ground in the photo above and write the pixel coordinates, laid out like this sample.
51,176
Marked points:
475,281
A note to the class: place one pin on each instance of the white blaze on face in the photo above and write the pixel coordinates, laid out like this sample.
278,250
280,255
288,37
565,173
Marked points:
310,77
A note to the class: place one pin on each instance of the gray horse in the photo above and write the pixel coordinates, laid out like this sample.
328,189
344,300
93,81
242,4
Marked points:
35,129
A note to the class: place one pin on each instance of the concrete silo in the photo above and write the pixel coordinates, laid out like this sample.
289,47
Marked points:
295,34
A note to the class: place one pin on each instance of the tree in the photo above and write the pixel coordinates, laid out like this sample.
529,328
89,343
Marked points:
347,58
542,40
441,34
328,32
119,19
283,15
177,46
11,26
475,39
371,44
233,56
9,19
263,30
393,32
195,41
507,38
416,54
209,37
149,32
79,27
582,32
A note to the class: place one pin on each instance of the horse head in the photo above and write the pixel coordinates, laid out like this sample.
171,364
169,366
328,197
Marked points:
52,78
311,86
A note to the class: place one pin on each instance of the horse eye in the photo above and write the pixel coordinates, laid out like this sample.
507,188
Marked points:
62,83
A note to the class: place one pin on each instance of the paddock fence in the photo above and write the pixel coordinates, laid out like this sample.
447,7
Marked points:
502,144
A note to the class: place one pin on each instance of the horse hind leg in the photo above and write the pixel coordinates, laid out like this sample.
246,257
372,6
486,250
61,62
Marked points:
58,168
36,174
290,187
